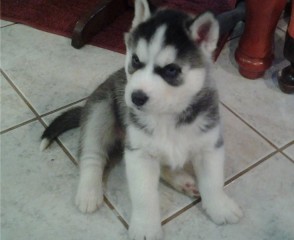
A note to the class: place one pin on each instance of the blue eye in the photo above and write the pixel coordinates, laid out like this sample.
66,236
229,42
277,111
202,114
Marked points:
171,71
136,62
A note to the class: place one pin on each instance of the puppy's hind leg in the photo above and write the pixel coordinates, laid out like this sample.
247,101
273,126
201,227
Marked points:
180,180
97,136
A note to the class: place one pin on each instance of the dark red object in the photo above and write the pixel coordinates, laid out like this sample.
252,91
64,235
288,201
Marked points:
255,51
60,17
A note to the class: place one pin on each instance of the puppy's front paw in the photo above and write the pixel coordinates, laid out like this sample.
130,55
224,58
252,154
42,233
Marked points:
222,209
139,230
89,197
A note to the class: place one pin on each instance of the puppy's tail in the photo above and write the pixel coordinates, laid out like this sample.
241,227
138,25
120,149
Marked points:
66,121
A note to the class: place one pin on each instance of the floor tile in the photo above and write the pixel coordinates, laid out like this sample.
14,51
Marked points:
239,155
266,195
13,109
4,23
290,151
283,23
238,30
38,191
49,71
259,102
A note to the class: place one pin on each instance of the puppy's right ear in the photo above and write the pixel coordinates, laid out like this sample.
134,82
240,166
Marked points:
143,11
205,31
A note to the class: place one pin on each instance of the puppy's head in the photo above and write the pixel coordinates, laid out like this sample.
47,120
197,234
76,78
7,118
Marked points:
167,55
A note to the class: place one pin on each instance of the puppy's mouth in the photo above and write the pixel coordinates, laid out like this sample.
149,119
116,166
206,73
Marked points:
138,108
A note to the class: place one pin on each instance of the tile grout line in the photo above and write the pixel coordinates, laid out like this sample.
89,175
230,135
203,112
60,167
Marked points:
178,213
238,175
250,126
229,181
286,156
18,125
248,169
233,38
287,145
63,107
60,144
281,150
113,209
8,25
278,149
38,118
281,29
32,108
20,94
198,200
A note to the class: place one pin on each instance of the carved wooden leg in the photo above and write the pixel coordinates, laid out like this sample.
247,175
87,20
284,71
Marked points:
97,18
286,78
254,53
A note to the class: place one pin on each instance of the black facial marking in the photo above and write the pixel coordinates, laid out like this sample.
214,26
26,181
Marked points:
170,73
135,64
204,103
176,33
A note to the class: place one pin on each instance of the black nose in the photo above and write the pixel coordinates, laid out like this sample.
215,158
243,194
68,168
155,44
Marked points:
139,98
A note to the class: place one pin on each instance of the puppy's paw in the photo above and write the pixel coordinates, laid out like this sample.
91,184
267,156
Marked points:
181,181
89,198
189,188
222,209
139,230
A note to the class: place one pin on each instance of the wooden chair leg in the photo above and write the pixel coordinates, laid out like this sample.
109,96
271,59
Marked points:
96,19
254,53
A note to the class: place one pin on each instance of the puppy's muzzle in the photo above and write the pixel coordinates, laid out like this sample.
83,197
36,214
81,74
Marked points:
139,98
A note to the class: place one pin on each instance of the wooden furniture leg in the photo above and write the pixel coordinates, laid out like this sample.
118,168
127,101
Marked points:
286,76
255,51
92,22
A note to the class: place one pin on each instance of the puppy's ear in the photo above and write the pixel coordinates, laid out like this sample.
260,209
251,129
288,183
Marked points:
204,29
143,11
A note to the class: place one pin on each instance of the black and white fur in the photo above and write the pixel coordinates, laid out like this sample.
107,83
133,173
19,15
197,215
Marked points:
163,107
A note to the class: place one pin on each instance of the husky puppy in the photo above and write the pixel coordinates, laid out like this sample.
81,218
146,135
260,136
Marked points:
163,107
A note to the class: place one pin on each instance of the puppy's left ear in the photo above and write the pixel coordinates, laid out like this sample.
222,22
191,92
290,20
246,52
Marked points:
205,31
143,10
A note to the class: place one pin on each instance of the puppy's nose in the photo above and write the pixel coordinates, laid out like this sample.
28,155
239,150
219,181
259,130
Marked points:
139,98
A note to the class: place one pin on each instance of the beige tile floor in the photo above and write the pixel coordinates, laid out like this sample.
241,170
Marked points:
42,75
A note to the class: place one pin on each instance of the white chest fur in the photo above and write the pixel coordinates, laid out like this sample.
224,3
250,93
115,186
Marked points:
170,145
